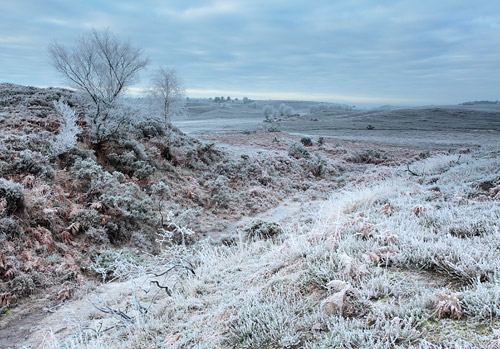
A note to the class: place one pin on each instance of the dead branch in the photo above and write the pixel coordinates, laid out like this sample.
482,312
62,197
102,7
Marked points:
411,172
105,308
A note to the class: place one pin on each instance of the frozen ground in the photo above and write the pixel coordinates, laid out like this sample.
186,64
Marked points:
395,241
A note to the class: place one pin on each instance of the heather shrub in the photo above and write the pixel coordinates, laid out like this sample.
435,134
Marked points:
367,156
93,178
482,302
150,129
220,194
98,236
137,147
269,320
113,263
13,195
317,165
306,141
131,164
297,150
10,228
133,207
260,229
30,161
87,219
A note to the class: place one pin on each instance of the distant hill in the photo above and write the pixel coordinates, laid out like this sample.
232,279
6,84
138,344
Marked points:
479,102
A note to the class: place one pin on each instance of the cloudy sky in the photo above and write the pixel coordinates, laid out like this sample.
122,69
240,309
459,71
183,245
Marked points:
358,51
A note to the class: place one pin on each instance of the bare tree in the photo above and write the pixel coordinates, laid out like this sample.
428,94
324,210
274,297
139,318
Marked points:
102,67
169,92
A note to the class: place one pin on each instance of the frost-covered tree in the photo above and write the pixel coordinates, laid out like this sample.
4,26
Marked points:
168,93
268,111
101,66
67,136
286,110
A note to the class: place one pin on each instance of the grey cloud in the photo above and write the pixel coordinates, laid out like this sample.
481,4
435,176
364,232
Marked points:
428,51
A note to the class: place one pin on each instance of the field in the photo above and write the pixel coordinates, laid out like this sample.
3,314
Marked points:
382,232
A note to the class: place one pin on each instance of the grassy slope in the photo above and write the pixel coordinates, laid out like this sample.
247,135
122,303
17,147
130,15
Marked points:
413,259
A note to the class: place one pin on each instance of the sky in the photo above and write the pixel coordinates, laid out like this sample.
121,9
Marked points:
359,52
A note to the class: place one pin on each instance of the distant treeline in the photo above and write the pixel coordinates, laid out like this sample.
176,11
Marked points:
480,102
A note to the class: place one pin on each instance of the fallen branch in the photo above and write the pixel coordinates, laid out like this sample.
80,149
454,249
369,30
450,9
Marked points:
105,308
411,172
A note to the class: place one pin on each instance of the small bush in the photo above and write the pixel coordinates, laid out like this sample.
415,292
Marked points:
10,227
131,164
97,236
367,156
298,151
262,230
321,141
306,141
150,129
29,161
13,195
221,194
111,263
66,139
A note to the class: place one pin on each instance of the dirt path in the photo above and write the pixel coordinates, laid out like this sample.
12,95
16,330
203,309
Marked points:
17,324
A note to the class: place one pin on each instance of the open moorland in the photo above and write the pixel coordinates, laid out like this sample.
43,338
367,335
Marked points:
320,226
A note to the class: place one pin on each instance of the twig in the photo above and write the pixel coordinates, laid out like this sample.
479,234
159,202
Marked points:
411,172
105,308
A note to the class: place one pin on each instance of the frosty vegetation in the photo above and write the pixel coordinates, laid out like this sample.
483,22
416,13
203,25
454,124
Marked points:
406,261
105,204
101,66
271,114
168,94
67,137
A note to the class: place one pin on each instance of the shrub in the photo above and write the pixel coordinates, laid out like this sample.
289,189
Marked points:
150,129
298,151
13,195
306,141
128,163
98,236
221,194
111,263
317,165
10,227
367,156
321,141
29,161
66,138
262,230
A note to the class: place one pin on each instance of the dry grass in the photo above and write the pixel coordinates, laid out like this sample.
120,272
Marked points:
332,284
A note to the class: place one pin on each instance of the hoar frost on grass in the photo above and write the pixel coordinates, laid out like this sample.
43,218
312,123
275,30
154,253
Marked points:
321,286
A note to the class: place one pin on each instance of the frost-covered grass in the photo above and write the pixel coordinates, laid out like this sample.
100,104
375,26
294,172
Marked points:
410,261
